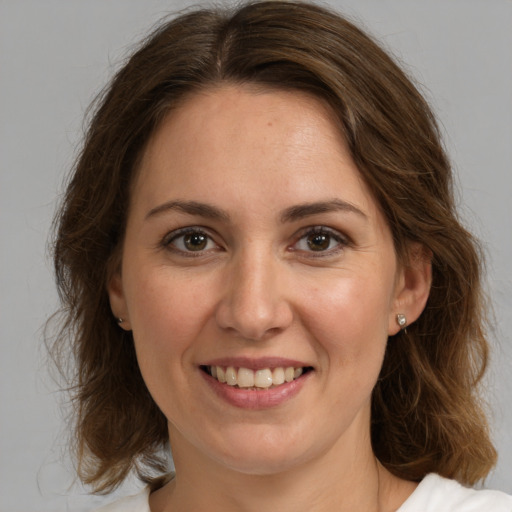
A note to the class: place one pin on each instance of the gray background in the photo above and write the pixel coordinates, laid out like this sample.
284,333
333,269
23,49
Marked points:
55,55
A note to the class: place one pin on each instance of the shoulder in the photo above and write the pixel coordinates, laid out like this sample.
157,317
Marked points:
136,503
438,494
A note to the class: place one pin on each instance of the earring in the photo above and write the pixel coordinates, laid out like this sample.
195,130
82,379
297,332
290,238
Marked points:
120,320
401,320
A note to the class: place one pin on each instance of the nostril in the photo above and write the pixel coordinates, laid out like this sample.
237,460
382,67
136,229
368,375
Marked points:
253,311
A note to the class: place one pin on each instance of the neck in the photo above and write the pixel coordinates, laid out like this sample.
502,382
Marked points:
353,482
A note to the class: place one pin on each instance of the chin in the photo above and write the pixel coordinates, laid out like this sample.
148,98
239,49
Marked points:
263,453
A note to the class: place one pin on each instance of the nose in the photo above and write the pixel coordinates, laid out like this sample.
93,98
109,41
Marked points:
254,305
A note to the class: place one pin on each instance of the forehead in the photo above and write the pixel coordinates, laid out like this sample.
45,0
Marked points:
236,142
247,115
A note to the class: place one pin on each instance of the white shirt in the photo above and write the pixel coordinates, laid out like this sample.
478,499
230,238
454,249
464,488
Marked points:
438,494
433,494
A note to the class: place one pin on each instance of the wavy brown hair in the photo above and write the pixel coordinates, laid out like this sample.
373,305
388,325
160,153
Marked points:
426,410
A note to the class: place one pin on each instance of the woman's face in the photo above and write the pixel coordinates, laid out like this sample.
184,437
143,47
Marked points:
252,247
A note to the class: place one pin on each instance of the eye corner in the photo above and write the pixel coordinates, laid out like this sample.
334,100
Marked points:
334,242
176,242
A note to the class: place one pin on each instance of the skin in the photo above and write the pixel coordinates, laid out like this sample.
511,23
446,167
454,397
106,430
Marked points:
257,289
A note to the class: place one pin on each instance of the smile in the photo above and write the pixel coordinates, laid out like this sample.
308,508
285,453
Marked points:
245,378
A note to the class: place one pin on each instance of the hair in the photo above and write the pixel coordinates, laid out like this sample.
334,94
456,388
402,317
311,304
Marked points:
427,413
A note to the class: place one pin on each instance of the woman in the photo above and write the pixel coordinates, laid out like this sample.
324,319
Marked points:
262,267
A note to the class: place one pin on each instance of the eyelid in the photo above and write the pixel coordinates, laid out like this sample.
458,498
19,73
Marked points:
169,238
342,239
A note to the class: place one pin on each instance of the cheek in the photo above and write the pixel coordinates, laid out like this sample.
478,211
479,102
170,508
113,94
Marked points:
348,316
165,312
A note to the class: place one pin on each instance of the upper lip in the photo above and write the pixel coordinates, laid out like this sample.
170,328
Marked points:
258,363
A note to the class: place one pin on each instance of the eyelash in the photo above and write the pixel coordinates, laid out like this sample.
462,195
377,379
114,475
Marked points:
342,241
168,240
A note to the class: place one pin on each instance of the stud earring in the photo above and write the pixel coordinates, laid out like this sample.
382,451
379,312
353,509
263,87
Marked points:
401,320
120,320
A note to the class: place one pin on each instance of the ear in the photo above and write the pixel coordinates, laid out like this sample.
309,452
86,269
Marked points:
117,300
412,286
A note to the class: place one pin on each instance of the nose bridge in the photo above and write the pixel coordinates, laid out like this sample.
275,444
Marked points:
254,303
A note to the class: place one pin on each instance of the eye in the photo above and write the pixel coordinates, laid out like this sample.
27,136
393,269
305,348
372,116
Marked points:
320,240
190,240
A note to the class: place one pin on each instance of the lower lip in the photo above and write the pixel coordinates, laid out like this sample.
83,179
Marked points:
256,399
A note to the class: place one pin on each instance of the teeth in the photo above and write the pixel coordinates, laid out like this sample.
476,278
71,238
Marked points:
263,378
221,374
231,376
278,376
246,378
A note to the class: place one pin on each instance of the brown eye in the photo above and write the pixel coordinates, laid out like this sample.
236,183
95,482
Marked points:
319,241
190,240
195,241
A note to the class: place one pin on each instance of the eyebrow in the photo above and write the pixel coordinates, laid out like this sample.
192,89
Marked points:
192,208
291,214
301,211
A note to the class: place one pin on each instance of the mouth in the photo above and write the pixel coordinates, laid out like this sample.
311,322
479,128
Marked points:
248,379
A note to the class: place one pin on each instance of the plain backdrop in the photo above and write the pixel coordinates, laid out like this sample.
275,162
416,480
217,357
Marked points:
56,55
